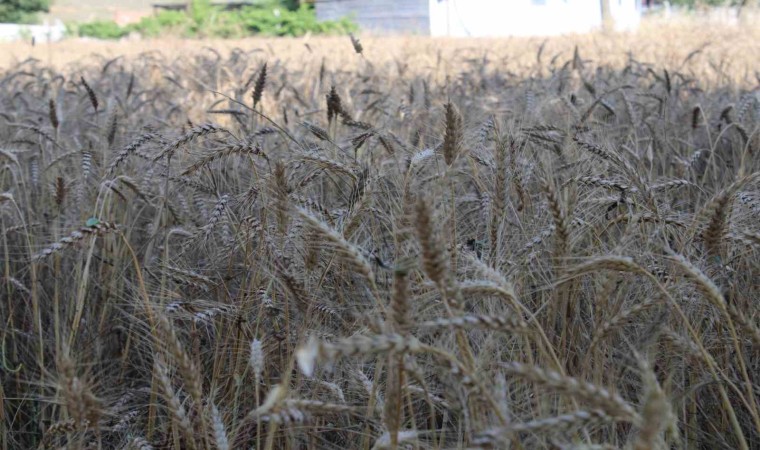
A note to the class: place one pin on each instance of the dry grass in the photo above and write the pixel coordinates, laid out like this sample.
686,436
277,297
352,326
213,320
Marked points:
729,49
431,244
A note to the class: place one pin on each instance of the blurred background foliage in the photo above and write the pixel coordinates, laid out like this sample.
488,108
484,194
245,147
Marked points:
204,20
21,11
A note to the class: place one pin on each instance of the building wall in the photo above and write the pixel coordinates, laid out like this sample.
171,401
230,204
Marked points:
40,33
525,17
379,16
627,14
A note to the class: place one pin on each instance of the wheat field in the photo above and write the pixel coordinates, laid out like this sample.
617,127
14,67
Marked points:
334,243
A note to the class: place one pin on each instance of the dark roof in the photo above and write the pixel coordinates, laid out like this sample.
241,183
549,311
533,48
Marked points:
182,6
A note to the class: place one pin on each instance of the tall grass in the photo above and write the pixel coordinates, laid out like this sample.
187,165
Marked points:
233,251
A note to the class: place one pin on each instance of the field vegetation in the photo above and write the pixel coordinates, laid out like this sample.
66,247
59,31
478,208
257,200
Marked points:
385,243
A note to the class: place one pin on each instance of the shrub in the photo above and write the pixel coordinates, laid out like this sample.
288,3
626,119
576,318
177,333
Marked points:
163,22
200,10
102,29
283,22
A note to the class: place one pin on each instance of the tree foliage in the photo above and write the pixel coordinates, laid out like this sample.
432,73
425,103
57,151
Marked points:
14,11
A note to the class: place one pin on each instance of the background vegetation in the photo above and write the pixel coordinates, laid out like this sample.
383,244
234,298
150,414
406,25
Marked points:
21,11
270,18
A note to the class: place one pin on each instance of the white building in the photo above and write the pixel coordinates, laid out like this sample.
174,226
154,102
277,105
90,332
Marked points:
39,33
481,17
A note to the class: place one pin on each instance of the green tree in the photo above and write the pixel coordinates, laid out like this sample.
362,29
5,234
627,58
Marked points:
15,11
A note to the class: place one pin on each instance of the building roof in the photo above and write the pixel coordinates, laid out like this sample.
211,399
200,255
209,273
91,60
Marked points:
182,5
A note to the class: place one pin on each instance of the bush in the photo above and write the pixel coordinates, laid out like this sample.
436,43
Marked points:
200,10
162,23
102,29
268,18
283,22
21,11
